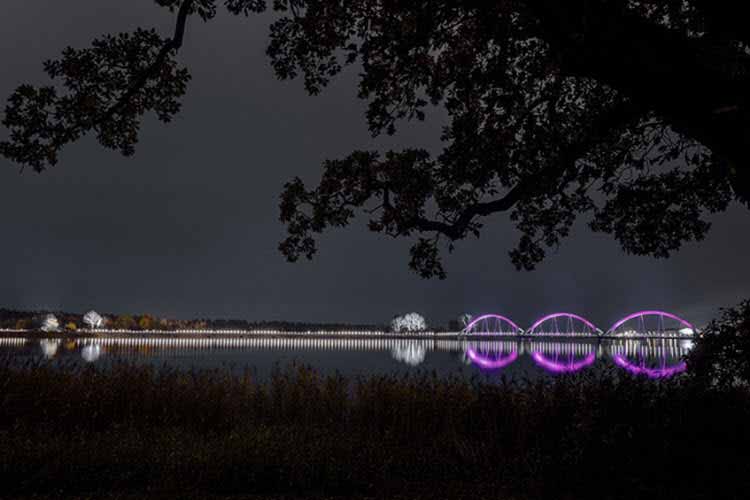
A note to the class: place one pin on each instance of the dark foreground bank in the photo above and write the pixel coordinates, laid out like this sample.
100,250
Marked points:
132,431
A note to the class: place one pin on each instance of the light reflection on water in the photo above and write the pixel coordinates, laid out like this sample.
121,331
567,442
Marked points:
653,358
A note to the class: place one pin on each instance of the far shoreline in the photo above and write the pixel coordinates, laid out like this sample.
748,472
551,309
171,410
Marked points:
224,334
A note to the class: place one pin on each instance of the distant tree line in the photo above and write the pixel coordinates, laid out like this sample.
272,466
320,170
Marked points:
23,320
72,321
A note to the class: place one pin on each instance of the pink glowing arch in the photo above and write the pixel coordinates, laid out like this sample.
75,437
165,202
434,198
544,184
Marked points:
493,316
651,313
489,363
586,322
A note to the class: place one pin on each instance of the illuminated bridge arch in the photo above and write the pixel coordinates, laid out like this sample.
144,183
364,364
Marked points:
492,324
651,323
564,324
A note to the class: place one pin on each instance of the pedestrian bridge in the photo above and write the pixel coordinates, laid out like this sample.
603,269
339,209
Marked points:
646,323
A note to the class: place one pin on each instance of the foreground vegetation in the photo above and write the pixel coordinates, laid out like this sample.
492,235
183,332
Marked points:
127,430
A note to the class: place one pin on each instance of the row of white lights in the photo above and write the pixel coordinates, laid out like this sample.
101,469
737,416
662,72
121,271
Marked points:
325,333
626,346
242,332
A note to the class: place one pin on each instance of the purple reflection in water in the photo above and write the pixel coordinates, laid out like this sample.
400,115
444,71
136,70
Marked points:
562,367
491,363
664,371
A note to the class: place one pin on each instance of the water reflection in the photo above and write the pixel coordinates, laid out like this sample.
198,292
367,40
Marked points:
412,353
655,358
560,356
641,367
489,360
49,347
91,353
650,358
565,364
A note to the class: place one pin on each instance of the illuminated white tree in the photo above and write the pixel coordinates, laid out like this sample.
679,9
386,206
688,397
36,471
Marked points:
50,323
93,319
464,320
408,323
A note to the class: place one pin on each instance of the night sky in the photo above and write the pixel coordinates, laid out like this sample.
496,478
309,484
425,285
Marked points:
188,227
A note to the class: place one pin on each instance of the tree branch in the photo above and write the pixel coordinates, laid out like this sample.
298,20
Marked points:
679,78
175,43
554,177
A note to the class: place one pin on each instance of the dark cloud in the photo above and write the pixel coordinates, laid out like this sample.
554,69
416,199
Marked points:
188,227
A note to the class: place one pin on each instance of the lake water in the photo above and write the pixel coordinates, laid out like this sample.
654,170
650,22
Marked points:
484,358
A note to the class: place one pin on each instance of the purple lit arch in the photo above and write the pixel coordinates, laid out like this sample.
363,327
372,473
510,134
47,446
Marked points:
571,316
485,317
641,314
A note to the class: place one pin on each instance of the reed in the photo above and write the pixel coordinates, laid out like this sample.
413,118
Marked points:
126,430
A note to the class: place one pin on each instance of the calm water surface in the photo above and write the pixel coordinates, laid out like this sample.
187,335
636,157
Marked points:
487,359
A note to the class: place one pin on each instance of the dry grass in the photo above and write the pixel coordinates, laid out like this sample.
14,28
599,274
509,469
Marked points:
129,430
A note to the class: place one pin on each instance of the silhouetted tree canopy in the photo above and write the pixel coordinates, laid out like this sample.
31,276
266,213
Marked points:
634,113
720,357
